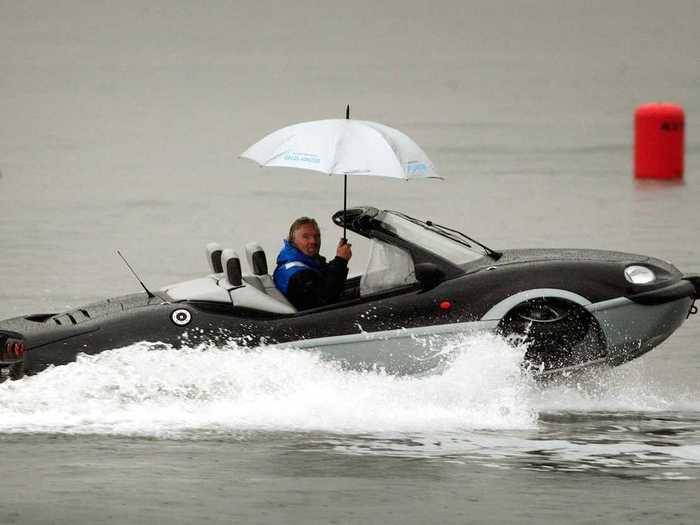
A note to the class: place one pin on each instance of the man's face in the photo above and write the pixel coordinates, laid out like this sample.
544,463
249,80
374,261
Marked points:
307,239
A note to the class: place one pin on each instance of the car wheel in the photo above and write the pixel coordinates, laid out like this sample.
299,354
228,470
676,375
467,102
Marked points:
557,333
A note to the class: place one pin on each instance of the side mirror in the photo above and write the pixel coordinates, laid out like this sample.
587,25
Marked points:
429,275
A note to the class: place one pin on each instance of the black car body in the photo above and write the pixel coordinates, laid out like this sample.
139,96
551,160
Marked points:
573,308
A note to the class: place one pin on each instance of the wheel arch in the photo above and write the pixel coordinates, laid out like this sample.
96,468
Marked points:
572,338
501,309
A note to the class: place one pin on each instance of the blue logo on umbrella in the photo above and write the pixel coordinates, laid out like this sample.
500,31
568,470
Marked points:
416,168
302,157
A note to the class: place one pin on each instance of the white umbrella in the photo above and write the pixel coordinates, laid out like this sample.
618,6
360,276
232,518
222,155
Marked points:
344,147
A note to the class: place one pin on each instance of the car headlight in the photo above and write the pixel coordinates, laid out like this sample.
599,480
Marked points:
639,274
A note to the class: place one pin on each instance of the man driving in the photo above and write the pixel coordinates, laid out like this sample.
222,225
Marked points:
302,274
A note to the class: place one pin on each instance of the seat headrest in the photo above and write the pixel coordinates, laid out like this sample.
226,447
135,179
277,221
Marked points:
214,257
232,267
256,258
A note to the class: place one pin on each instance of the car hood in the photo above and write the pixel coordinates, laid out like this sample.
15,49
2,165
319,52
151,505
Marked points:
568,254
583,256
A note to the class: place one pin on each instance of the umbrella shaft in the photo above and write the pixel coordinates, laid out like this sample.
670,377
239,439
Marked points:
345,204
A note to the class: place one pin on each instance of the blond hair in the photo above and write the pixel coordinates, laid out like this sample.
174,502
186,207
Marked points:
298,224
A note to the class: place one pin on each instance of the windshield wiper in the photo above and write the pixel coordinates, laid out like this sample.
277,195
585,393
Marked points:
445,231
463,239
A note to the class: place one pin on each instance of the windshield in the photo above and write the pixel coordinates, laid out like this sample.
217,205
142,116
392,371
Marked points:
446,243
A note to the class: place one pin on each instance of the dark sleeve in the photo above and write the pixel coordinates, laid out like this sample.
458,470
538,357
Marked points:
310,289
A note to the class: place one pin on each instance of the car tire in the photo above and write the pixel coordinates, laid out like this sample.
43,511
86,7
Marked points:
557,333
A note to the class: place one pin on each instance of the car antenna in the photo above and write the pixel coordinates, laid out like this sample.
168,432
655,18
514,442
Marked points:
148,292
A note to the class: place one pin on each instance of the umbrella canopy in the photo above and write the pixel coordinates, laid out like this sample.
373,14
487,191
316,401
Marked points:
344,147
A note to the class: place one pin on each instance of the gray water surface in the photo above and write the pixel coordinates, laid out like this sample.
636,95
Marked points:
121,128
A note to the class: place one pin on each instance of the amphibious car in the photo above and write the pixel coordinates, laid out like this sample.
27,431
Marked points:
423,283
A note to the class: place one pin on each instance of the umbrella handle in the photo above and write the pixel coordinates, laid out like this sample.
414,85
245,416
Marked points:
345,206
345,187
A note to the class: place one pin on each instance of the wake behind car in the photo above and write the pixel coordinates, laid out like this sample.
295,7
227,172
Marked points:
423,282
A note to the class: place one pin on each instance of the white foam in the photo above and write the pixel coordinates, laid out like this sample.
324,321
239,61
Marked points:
629,388
147,389
153,390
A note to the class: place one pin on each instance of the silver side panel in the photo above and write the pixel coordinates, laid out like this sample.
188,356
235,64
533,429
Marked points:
631,329
402,351
626,325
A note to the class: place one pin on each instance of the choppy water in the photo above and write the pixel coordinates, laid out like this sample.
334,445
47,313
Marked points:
121,126
270,434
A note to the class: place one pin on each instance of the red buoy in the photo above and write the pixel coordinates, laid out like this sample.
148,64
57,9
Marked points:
659,131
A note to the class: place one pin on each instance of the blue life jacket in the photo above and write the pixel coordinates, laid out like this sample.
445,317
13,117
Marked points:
290,261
